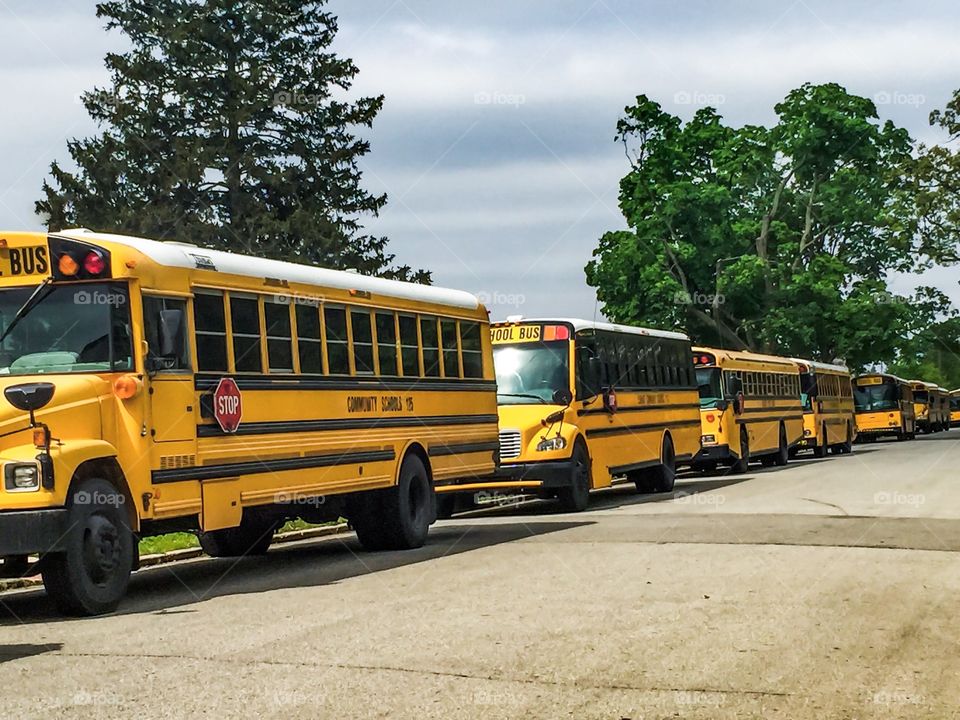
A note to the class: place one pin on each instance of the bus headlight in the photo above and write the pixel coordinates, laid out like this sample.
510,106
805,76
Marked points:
552,443
708,439
21,477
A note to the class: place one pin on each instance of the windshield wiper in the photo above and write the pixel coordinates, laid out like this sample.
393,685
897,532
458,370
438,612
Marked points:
522,395
29,304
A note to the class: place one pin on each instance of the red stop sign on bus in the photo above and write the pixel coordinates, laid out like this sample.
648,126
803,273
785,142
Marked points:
227,405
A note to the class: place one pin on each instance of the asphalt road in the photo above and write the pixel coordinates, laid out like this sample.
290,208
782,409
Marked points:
826,589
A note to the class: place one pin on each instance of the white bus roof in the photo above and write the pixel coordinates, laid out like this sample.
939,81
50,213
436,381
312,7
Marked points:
816,365
183,255
579,324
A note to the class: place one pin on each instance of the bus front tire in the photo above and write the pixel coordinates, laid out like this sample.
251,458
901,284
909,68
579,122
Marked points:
252,536
399,517
91,574
576,496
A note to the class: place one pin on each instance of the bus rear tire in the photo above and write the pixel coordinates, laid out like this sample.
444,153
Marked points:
742,463
820,449
783,451
399,517
847,447
252,536
92,574
576,496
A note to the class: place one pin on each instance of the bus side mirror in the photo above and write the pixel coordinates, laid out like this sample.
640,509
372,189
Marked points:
734,386
722,405
171,333
562,397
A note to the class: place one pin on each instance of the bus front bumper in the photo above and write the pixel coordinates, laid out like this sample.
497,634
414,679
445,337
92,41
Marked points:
28,532
546,474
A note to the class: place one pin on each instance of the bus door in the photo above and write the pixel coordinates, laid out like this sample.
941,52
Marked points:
173,413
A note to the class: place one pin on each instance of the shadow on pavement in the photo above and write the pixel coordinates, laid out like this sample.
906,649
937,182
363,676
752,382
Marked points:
164,588
16,652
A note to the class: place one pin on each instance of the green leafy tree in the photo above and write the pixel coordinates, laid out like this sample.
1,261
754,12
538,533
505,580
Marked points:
932,354
227,124
776,239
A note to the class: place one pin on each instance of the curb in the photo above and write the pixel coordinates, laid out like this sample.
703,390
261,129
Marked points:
189,554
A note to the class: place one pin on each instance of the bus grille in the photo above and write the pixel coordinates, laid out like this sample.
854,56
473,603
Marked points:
509,444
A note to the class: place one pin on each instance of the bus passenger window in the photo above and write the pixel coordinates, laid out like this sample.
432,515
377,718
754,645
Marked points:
431,346
245,324
451,361
471,350
362,341
335,327
211,330
279,336
308,339
387,343
409,347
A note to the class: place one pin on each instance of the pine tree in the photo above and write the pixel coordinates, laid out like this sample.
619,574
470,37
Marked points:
227,125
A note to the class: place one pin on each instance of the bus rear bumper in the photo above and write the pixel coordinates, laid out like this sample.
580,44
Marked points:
713,454
27,532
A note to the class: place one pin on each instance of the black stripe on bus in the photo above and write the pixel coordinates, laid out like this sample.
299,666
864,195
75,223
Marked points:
463,448
636,408
290,426
772,418
624,429
771,408
213,472
623,469
295,382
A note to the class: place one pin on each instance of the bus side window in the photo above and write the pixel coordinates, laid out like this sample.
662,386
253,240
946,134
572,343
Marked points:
152,321
431,346
448,337
245,328
335,329
471,349
409,346
309,344
387,343
362,341
279,335
211,331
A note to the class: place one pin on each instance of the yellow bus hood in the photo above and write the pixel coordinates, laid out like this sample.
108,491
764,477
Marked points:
73,412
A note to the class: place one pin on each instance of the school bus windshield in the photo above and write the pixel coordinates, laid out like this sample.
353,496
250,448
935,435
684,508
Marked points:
68,328
708,383
531,373
867,398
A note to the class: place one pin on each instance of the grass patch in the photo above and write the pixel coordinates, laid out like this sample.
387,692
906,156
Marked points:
183,541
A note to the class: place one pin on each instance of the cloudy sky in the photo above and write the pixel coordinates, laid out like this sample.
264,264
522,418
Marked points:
496,142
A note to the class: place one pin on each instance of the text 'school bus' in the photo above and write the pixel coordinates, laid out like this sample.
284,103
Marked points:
582,403
749,408
930,405
828,415
158,386
955,408
884,406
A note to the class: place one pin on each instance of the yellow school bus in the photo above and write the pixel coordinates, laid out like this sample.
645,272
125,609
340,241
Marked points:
583,404
828,415
749,408
955,408
884,406
930,406
157,386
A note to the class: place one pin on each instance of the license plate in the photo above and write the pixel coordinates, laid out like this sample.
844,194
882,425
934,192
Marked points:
516,333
